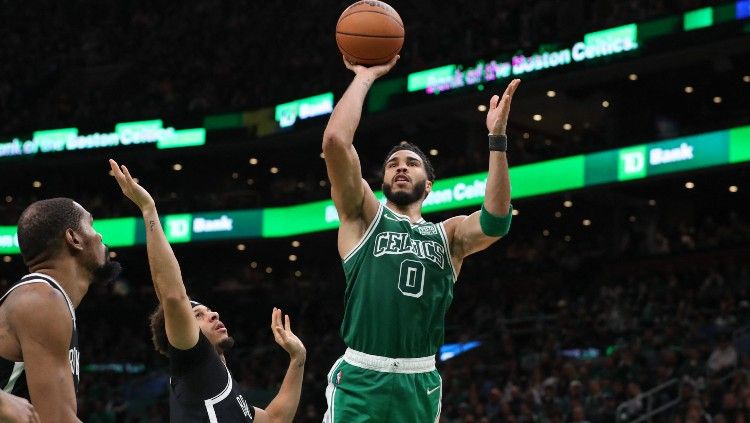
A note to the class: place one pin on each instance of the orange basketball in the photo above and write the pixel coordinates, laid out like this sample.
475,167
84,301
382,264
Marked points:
369,32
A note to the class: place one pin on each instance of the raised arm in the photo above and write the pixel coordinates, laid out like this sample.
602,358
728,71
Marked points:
284,406
39,316
473,233
181,326
354,200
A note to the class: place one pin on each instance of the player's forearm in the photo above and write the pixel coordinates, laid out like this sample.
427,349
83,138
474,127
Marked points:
348,111
497,190
284,405
165,270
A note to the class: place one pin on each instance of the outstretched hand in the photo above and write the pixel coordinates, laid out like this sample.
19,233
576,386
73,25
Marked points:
375,71
282,333
130,187
497,116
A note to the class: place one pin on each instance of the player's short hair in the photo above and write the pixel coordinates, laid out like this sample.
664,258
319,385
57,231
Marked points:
159,331
42,226
411,147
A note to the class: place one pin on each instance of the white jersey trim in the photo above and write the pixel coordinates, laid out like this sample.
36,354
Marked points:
405,217
366,236
218,398
43,278
329,416
388,364
444,236
14,375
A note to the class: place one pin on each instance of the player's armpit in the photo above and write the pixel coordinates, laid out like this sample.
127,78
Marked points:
41,320
465,235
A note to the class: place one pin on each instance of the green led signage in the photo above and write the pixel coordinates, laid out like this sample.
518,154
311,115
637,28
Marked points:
560,175
594,45
287,114
125,135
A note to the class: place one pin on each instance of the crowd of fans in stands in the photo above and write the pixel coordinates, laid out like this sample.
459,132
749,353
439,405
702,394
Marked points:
570,330
201,57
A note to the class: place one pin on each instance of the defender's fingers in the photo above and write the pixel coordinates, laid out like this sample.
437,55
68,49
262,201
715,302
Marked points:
493,101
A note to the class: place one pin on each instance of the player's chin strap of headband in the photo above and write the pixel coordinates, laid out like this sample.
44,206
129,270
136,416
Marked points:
194,303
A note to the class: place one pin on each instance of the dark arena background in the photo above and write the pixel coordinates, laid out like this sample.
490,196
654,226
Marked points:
619,295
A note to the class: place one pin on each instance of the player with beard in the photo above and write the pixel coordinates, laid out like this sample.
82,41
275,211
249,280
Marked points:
400,269
201,387
39,356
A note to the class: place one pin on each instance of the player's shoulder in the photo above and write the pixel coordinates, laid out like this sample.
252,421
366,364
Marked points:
35,302
450,224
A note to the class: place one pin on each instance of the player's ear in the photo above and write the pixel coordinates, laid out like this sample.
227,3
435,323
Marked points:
73,240
427,188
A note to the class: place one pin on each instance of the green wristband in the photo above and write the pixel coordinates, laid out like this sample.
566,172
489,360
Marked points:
495,225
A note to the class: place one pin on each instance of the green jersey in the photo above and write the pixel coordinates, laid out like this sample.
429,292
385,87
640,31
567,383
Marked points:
399,285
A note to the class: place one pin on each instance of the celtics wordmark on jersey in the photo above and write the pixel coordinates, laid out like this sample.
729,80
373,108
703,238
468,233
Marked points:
399,285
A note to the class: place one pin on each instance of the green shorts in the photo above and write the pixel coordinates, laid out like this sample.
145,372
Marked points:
391,394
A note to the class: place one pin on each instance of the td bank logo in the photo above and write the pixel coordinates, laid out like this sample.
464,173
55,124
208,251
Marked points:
631,163
177,227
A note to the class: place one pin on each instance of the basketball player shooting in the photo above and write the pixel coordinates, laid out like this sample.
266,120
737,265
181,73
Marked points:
201,387
400,269
39,355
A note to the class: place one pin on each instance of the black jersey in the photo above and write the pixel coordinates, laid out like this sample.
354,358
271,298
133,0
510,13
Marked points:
201,388
12,376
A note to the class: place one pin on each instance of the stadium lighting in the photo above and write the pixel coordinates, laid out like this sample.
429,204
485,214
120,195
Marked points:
7,259
177,167
269,269
112,254
295,243
558,214
545,232
8,199
746,78
516,212
482,108
297,273
717,99
241,247
567,126
733,188
253,161
551,93
322,155
537,117
586,222
250,181
651,202
689,185
568,203
235,175
292,257
567,238
254,265
633,77
36,184
433,152
526,135
605,104
322,183
631,219
274,170
689,89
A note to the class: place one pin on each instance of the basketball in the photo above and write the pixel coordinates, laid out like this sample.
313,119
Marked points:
369,33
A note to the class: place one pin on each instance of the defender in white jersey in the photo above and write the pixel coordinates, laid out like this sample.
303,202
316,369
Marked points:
38,338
